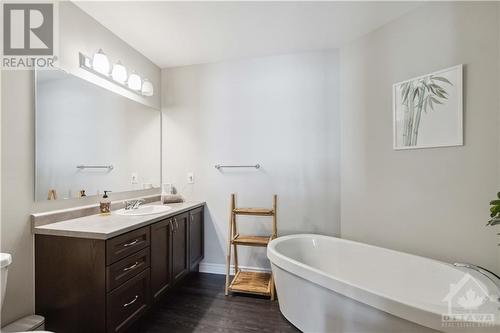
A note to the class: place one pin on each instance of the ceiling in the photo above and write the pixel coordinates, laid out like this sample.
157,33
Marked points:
185,33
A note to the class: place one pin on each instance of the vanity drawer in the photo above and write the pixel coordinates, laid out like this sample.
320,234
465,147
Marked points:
119,247
126,268
128,302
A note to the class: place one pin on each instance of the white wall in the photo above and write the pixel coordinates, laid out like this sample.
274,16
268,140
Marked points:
281,112
17,121
17,191
432,202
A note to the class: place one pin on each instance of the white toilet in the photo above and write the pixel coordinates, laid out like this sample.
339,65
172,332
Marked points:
27,324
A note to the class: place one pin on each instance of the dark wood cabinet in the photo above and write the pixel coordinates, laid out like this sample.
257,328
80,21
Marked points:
128,302
196,238
122,246
180,261
176,249
161,252
98,286
121,271
70,283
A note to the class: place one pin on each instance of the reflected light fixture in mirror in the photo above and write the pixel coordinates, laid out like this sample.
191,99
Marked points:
87,62
134,82
147,88
100,63
119,73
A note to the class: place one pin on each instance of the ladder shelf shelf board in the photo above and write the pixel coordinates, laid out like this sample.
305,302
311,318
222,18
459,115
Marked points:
251,240
258,283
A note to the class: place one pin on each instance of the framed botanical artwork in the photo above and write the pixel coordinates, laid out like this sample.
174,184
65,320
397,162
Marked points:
428,110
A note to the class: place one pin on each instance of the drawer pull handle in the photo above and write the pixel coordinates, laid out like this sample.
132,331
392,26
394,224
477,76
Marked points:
131,267
176,224
172,229
131,302
135,241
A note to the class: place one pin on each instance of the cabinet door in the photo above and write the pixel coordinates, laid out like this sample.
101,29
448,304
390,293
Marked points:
196,238
180,262
160,257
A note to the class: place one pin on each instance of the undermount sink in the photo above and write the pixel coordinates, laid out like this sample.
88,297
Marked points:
143,210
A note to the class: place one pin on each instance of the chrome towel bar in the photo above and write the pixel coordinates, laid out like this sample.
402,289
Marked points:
220,166
109,167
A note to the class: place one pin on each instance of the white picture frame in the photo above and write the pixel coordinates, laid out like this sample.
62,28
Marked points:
428,110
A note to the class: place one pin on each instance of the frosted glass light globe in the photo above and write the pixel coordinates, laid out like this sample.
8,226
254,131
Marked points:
100,63
147,88
119,73
134,82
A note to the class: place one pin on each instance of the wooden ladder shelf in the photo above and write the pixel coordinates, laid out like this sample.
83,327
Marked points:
259,283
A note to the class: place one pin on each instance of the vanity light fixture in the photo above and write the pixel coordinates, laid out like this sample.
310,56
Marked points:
134,82
147,88
119,73
100,65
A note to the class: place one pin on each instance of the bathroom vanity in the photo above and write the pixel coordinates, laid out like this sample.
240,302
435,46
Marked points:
102,273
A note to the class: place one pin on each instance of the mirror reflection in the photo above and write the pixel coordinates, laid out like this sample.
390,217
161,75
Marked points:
89,139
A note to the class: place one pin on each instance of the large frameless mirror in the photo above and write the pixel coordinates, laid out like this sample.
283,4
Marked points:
89,139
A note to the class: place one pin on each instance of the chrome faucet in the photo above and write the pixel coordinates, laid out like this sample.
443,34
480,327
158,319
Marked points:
133,204
495,279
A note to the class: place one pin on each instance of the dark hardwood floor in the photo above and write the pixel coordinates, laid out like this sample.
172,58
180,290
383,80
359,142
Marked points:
199,305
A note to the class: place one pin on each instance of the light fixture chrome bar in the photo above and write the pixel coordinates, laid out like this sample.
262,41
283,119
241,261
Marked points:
109,167
220,166
85,63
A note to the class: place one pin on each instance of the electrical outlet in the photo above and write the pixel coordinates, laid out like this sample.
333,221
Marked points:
134,178
190,178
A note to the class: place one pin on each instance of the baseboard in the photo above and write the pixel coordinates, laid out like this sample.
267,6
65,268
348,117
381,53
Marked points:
221,268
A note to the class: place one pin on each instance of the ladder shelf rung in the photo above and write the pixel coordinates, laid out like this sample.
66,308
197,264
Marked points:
251,240
254,211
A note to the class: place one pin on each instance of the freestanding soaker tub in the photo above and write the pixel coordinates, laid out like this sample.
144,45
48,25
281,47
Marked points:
328,284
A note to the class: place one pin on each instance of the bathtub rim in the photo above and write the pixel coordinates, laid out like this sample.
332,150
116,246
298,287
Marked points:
401,308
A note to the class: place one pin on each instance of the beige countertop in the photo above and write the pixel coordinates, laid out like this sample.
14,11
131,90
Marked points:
105,227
